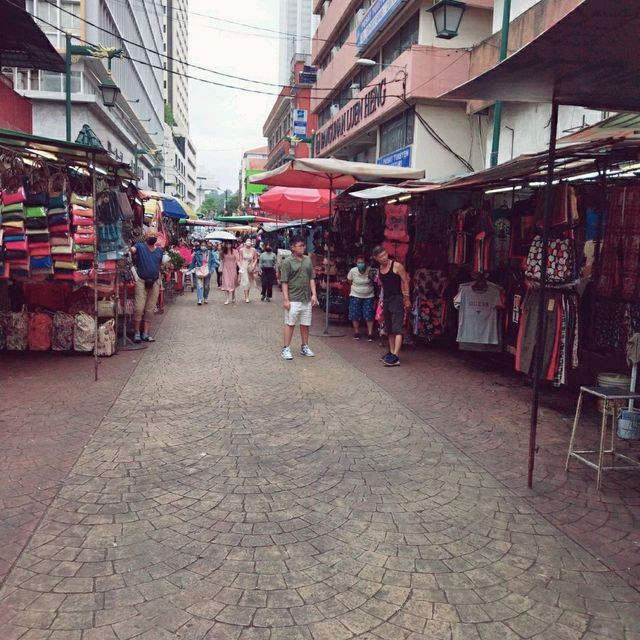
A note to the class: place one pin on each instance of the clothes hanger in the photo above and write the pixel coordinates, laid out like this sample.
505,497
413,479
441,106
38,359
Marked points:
480,283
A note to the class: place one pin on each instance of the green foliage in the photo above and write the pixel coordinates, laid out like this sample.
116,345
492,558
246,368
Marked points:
176,259
214,203
168,115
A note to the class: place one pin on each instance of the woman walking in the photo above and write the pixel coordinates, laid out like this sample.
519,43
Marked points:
249,260
267,264
204,263
230,264
361,299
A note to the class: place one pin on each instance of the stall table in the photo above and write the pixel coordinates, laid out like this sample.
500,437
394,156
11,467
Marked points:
607,395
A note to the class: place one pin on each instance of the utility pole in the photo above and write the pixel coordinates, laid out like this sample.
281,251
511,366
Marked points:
497,113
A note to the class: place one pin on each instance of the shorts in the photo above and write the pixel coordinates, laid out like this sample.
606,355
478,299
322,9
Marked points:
299,313
393,313
361,309
146,301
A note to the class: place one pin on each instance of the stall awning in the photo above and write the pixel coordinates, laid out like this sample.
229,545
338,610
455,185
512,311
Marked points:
588,59
23,43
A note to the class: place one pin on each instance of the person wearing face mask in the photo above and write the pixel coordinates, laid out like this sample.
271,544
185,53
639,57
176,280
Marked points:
148,258
361,298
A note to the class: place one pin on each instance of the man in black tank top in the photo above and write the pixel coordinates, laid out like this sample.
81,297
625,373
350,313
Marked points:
396,301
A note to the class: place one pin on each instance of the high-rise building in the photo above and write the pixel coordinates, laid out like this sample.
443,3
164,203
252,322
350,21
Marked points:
297,21
180,165
135,124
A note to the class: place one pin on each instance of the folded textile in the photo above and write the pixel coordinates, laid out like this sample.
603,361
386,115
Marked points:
55,211
42,262
78,210
84,256
62,218
17,245
66,264
83,248
39,245
14,237
83,238
36,223
11,208
59,228
35,212
13,224
15,216
61,249
81,221
60,241
38,253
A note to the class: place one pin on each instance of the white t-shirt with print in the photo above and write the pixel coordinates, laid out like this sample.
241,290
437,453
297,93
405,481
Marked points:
478,316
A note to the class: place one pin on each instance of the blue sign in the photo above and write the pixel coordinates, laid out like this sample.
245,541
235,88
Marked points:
376,18
399,158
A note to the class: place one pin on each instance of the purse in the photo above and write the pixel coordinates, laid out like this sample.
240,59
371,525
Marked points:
13,196
58,191
106,308
83,201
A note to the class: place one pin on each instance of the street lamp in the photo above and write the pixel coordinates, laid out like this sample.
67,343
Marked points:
447,16
368,62
109,90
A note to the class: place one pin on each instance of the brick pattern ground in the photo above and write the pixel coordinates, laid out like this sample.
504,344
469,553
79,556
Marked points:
50,407
229,494
484,410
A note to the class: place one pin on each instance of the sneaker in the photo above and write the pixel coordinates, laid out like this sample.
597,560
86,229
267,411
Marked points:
136,337
286,353
385,356
147,338
199,302
306,351
370,338
268,299
261,298
206,302
391,361
356,336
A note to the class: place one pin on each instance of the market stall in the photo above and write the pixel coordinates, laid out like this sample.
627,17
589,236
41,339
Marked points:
66,216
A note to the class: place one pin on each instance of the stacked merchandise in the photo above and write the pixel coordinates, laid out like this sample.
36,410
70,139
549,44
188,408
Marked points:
37,231
14,232
82,220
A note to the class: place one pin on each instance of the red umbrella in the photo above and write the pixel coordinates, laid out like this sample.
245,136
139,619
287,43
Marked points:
296,204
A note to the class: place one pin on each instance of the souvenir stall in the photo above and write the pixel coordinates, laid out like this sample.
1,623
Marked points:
64,212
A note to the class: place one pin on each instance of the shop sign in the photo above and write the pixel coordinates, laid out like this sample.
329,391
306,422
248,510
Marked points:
300,122
361,109
377,17
398,158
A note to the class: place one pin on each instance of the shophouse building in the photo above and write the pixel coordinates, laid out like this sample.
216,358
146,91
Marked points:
291,119
135,123
381,69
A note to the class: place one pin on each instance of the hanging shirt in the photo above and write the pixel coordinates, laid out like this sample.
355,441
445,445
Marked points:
478,317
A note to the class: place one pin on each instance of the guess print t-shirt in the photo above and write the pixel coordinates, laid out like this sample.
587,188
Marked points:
478,314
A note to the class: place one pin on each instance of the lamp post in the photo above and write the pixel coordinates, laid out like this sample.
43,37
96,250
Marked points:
109,89
294,141
447,16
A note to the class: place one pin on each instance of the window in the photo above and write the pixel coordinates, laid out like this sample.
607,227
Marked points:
51,81
404,39
397,133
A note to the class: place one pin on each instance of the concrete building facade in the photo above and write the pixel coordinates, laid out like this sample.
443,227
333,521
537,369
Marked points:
136,122
180,156
524,127
387,109
296,29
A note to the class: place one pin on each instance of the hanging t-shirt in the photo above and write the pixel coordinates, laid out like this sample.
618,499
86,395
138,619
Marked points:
478,317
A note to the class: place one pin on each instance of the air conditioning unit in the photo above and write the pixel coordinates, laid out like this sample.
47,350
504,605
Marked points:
335,107
355,90
334,51
360,15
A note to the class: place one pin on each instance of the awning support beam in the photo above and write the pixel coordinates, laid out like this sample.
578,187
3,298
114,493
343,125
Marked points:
539,360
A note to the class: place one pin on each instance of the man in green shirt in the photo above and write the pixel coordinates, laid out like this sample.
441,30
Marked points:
297,278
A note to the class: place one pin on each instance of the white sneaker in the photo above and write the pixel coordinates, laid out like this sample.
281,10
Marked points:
306,351
286,353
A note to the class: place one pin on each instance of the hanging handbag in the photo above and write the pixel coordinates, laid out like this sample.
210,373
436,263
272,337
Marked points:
13,196
106,308
84,333
58,191
17,324
83,201
107,339
62,337
40,331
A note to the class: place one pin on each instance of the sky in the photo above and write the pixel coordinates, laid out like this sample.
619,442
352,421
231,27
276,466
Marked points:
225,123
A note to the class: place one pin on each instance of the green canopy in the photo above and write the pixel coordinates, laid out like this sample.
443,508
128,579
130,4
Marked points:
239,219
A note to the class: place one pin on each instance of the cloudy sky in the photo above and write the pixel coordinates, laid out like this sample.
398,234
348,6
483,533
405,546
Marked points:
224,122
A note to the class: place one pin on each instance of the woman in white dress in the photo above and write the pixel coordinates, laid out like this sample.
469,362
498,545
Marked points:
249,260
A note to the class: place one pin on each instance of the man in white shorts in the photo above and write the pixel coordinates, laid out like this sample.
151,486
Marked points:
297,278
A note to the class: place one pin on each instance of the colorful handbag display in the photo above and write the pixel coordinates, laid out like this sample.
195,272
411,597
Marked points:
83,201
13,196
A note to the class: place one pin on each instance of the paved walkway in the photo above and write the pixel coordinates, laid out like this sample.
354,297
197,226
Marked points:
282,500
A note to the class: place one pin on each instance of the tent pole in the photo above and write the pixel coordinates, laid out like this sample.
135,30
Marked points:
96,360
326,311
539,360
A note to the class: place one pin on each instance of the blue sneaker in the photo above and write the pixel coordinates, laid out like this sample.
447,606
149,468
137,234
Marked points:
391,361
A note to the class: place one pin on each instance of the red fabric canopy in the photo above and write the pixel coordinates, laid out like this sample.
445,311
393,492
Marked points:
296,204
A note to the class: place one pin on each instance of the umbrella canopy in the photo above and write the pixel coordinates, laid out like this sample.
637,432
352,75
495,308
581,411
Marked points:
173,209
191,214
242,228
220,235
22,42
329,173
243,219
294,204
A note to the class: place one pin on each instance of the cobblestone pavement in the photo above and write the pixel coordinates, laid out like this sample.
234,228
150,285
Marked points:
229,494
